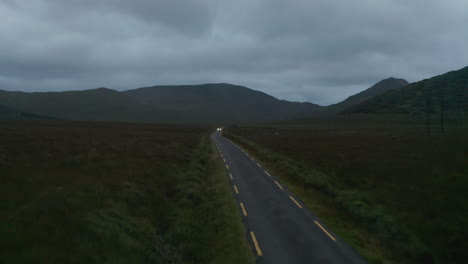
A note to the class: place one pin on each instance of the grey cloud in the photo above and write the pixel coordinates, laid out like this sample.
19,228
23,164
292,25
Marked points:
320,51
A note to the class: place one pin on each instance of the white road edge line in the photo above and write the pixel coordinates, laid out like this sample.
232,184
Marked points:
294,200
279,185
324,230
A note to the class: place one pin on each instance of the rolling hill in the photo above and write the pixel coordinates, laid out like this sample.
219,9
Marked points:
227,103
377,89
219,102
448,91
14,114
207,103
91,105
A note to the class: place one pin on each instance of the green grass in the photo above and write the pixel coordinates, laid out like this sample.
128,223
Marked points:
393,195
77,192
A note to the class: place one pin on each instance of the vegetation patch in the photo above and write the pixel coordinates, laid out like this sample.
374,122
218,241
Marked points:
77,192
374,214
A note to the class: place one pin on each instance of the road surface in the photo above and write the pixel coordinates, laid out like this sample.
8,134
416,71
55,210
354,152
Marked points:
279,226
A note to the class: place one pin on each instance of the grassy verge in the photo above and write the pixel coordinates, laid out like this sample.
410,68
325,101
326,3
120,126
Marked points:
366,226
77,192
206,217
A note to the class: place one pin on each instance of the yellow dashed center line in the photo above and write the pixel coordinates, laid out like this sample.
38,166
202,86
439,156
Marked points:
279,186
324,230
243,209
294,200
257,248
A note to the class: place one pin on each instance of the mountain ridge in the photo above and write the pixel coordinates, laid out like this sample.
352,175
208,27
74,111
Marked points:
206,103
222,101
375,90
216,102
448,91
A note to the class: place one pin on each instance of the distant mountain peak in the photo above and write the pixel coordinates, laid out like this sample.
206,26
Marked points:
102,89
385,85
375,90
393,79
413,98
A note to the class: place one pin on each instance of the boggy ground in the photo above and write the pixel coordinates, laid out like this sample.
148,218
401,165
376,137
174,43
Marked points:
392,192
82,192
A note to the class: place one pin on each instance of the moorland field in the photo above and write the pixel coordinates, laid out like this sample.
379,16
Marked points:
390,190
84,192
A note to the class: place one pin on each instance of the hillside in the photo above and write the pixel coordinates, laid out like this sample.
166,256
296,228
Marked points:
100,104
377,89
222,102
227,103
449,90
9,113
208,103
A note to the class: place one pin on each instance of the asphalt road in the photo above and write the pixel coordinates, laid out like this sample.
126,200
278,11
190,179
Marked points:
279,226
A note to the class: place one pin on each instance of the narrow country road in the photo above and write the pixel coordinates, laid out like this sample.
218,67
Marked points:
280,229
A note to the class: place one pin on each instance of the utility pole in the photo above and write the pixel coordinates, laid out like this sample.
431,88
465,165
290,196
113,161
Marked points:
442,92
427,114
442,112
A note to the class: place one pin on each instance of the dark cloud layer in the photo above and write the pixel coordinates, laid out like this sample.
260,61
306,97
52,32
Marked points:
319,51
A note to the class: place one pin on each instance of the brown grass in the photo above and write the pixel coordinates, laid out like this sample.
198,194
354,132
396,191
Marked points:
82,192
410,179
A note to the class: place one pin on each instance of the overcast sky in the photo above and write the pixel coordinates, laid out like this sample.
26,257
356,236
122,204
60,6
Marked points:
313,50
